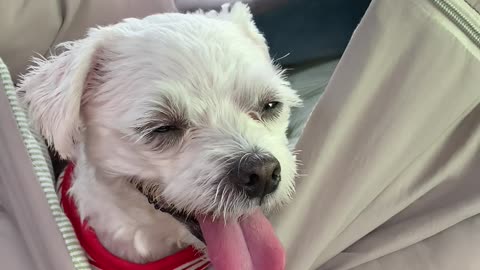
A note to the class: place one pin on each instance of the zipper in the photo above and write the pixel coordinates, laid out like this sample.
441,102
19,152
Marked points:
463,16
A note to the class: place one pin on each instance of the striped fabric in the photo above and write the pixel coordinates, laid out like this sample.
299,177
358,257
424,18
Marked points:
41,163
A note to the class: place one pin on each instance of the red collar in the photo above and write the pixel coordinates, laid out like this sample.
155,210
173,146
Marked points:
100,257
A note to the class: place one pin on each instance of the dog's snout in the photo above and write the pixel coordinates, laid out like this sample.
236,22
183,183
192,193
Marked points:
258,177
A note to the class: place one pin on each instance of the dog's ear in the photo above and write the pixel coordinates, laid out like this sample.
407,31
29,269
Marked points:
240,14
52,92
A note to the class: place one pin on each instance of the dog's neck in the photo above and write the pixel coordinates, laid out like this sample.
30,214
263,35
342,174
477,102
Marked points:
123,219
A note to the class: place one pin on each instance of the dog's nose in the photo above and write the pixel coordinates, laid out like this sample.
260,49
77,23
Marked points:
259,177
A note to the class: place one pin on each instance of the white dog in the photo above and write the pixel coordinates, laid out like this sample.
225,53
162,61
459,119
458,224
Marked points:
175,123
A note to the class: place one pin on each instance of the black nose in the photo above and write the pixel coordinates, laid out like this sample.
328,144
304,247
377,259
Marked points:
258,177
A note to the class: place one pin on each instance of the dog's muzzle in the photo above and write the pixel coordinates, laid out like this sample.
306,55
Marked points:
254,175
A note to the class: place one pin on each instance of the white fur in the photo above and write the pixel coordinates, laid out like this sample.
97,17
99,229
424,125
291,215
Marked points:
93,102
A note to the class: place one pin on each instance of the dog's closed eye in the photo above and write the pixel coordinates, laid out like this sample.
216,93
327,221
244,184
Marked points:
160,137
165,129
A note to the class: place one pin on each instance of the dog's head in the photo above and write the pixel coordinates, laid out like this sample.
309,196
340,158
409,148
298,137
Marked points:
188,106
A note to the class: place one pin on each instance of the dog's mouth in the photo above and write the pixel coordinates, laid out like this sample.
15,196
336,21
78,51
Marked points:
188,220
249,243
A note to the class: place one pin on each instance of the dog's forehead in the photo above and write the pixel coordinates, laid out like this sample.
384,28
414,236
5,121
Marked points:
196,48
238,91
199,68
204,68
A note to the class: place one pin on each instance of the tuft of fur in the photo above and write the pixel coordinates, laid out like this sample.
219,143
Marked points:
102,100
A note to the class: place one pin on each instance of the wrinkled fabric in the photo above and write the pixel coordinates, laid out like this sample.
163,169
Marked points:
390,154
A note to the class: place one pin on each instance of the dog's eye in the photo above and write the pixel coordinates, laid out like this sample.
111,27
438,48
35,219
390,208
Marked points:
271,110
165,129
271,105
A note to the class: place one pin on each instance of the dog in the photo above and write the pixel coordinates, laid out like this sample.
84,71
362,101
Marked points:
175,126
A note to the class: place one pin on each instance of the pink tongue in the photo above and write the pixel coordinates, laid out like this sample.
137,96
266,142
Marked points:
249,244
